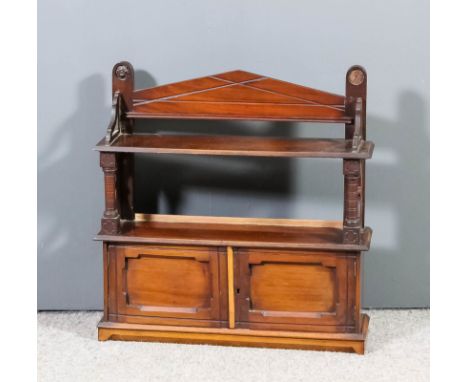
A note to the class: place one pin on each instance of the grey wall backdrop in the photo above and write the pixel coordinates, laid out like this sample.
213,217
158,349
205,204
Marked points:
306,42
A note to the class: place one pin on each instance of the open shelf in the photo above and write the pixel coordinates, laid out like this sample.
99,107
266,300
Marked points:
238,232
238,95
236,145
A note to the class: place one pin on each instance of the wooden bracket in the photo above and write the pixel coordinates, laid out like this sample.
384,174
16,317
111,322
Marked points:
122,100
357,137
110,222
115,125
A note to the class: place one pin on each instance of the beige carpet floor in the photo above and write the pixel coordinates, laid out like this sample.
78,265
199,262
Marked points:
68,350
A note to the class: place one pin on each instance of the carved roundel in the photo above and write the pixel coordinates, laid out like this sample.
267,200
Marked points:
121,72
356,77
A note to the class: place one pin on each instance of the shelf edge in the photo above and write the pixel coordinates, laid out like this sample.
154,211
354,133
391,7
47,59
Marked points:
365,154
240,243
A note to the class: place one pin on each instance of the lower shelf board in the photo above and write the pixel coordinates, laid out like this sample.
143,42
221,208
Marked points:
236,232
344,342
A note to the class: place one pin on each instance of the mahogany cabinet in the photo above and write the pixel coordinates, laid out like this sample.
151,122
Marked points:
234,281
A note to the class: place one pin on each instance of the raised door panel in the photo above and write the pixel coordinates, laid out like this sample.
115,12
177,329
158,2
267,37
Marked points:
292,288
168,282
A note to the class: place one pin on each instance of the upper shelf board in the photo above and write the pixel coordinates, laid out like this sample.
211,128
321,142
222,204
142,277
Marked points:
237,146
238,95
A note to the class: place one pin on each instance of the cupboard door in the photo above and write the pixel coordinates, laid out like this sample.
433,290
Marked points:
294,288
167,282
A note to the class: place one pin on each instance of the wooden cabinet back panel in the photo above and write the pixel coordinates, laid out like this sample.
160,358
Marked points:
178,282
292,287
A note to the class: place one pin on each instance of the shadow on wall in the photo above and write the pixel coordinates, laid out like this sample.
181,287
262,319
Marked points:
70,196
188,184
397,267
163,182
70,204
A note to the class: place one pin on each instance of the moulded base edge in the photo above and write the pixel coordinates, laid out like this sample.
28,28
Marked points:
343,342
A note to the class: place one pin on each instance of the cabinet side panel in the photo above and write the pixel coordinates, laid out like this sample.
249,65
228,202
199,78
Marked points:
105,260
357,312
111,272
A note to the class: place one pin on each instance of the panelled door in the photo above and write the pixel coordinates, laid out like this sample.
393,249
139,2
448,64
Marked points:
167,282
236,288
276,287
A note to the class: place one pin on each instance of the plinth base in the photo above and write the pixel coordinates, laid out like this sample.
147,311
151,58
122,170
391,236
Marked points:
344,342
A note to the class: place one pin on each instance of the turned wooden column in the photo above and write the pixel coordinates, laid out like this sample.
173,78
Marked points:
110,222
356,88
352,220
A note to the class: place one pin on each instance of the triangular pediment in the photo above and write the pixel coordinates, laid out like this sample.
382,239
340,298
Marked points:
238,95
